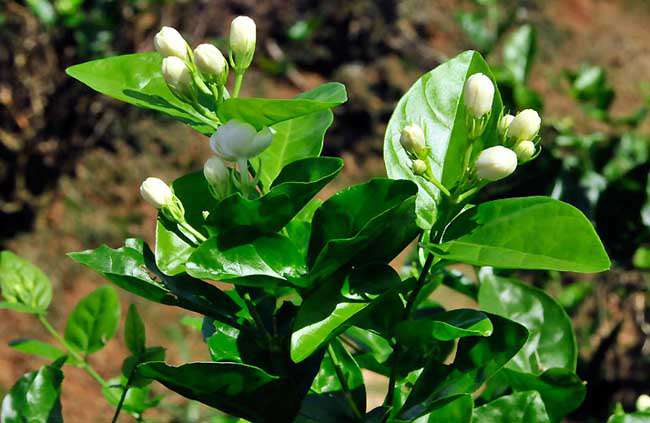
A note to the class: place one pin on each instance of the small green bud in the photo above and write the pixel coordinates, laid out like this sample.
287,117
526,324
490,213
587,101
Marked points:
525,150
419,167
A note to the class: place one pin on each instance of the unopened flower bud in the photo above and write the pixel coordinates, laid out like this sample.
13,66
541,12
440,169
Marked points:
170,42
643,403
217,175
238,140
525,125
524,150
496,163
412,139
177,75
419,167
242,41
211,63
156,192
478,95
504,124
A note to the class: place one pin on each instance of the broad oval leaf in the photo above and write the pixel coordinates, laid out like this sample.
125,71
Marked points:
35,397
94,320
24,286
445,326
551,341
520,407
524,233
37,348
358,226
137,79
234,388
434,102
295,186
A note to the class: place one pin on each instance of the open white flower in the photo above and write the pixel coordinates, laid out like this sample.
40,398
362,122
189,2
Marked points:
496,163
242,41
525,125
478,95
170,43
211,63
156,192
177,75
238,140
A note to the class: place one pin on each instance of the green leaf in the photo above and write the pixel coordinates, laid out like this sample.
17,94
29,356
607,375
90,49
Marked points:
445,326
133,268
521,407
134,331
297,183
223,343
131,362
365,223
524,233
261,112
271,256
519,51
37,348
551,341
476,360
561,390
94,320
35,397
459,410
137,399
639,417
137,79
326,312
641,258
24,286
434,103
234,388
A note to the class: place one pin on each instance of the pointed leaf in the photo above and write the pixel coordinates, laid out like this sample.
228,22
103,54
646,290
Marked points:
94,320
134,331
37,348
521,407
24,286
35,397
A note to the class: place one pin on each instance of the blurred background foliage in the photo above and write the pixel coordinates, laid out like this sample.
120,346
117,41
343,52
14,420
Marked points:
71,160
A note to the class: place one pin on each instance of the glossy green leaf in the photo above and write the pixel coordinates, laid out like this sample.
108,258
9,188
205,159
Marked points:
133,268
519,51
261,112
223,343
130,363
638,417
134,331
24,286
373,351
476,360
294,187
445,326
94,320
524,233
551,341
358,226
326,313
35,397
137,79
300,137
234,388
561,390
434,103
521,407
37,348
459,410
272,256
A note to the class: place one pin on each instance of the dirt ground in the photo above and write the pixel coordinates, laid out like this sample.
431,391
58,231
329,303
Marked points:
93,198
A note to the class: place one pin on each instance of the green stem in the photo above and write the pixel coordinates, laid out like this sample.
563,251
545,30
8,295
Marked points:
438,184
189,228
239,77
125,390
257,318
343,382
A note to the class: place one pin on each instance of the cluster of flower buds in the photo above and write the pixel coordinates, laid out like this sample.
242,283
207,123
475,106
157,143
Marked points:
205,69
414,143
521,132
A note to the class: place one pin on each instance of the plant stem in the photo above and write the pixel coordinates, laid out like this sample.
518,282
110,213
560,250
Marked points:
239,77
257,318
189,228
125,390
343,382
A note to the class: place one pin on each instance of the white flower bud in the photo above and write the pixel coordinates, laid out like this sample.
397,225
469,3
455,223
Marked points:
217,175
524,150
643,403
156,192
525,125
177,75
412,139
211,63
478,95
242,41
496,163
419,167
169,42
238,140
504,124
